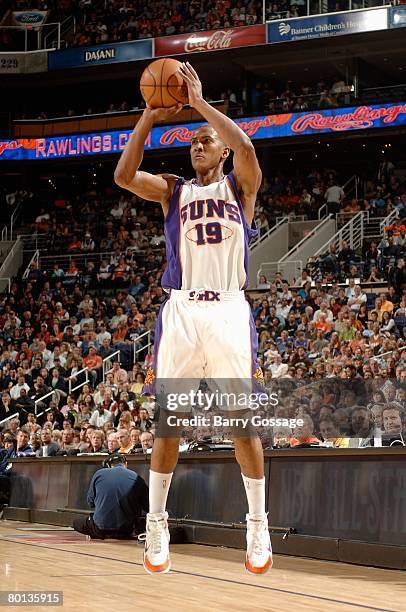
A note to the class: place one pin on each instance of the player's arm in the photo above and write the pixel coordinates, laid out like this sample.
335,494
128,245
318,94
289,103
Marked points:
156,188
246,167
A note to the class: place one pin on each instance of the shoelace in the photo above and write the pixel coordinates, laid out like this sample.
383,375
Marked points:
154,530
256,528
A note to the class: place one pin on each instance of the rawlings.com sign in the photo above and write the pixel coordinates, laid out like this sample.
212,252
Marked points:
215,40
167,136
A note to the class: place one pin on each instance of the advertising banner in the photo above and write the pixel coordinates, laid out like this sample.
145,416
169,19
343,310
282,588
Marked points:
214,40
20,62
166,136
334,24
397,17
29,17
78,57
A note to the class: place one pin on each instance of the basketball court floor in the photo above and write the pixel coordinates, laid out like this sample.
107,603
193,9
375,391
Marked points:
101,575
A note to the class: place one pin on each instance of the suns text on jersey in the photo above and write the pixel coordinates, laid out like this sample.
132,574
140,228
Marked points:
210,209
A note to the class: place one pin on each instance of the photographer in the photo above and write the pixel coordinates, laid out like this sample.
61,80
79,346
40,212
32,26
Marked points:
118,495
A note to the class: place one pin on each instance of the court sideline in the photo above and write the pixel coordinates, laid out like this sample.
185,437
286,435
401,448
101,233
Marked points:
91,573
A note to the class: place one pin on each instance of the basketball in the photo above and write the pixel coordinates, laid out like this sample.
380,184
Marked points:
162,86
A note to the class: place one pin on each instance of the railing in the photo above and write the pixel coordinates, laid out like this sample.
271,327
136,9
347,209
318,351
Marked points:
9,256
73,377
41,400
30,37
272,229
8,279
34,242
35,258
297,246
290,269
322,212
291,218
379,356
7,232
389,219
81,259
9,418
59,29
373,228
13,220
141,348
107,361
342,218
350,188
352,232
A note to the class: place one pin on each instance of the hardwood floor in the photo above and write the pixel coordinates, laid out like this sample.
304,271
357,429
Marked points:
108,575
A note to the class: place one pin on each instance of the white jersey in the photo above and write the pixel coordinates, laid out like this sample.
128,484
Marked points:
207,237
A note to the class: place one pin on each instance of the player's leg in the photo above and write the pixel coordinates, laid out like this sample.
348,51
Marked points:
237,369
176,358
250,456
163,462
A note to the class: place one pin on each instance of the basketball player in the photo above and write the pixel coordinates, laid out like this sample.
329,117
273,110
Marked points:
205,328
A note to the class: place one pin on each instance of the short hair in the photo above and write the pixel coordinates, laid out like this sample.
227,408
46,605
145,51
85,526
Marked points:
147,432
393,406
123,432
98,432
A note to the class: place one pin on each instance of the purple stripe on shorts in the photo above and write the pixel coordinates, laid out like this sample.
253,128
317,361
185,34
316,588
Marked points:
149,387
254,344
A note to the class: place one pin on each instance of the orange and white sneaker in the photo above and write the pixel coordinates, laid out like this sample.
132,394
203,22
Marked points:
156,552
259,549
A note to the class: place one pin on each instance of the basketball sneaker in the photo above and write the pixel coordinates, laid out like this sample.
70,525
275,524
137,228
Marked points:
156,551
259,549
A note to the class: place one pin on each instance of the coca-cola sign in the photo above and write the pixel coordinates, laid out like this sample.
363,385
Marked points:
215,40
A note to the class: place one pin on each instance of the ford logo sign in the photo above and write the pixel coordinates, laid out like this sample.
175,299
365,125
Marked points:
29,17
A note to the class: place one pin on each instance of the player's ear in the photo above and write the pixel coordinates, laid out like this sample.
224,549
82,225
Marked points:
226,153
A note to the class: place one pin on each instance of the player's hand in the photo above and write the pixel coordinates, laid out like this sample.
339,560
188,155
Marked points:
194,86
162,114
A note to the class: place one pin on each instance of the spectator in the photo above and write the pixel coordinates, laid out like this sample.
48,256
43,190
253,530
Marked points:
123,437
147,441
334,196
119,375
48,448
118,496
96,439
113,443
100,416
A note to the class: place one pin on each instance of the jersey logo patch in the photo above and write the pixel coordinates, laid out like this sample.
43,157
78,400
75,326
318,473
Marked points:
259,375
149,378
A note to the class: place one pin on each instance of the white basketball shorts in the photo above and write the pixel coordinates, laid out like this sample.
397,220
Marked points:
205,334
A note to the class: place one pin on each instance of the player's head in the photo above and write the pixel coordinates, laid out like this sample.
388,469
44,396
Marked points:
207,150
